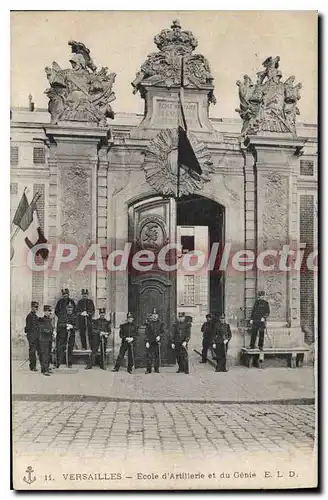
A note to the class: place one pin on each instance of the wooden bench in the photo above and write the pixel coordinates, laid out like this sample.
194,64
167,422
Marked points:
295,355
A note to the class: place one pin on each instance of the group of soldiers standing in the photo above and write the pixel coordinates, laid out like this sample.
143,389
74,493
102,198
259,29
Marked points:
72,317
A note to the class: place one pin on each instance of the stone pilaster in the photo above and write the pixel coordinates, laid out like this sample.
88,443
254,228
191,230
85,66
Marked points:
73,200
250,229
275,163
101,210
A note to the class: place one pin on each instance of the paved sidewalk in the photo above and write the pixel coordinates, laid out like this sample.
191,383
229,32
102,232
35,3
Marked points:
202,385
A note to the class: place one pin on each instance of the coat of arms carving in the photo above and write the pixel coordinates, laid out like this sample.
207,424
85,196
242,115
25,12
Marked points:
163,68
161,165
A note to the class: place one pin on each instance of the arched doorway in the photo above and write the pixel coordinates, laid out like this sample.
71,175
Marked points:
155,222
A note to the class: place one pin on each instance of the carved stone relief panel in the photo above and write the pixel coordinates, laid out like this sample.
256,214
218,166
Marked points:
273,212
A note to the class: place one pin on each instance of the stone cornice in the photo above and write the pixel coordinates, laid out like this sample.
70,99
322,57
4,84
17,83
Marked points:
281,141
77,133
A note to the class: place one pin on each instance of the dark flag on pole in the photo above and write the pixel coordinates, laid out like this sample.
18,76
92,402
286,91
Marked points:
186,155
187,160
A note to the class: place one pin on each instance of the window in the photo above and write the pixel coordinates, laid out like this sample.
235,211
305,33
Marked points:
14,155
13,188
188,244
189,291
307,168
39,156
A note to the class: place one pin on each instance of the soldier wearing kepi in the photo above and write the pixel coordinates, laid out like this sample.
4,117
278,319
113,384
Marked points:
154,333
221,339
32,333
208,330
85,310
65,339
63,303
128,332
259,315
100,332
180,339
46,334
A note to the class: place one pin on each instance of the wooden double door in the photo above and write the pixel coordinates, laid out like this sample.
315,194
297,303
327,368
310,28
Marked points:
152,277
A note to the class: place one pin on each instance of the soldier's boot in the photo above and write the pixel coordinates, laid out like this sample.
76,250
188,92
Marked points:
130,370
148,371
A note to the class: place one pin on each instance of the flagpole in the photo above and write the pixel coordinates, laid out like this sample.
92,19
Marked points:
14,234
181,98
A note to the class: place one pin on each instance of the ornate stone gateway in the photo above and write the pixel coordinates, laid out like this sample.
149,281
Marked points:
119,185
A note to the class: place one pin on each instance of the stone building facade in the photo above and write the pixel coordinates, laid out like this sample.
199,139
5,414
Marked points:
114,182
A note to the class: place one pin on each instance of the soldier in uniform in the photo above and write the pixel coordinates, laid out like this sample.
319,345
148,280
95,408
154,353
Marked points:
221,339
85,310
32,333
128,332
208,330
180,339
100,332
66,326
153,334
63,303
259,315
46,333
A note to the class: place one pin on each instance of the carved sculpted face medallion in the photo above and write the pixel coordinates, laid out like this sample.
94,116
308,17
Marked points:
161,164
152,233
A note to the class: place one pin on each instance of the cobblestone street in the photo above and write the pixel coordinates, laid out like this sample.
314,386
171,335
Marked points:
97,429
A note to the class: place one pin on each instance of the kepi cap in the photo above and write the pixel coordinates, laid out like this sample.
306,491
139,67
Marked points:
102,310
65,290
46,308
34,303
85,291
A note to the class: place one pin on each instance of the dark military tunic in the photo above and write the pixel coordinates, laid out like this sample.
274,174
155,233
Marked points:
98,326
180,334
126,330
62,305
46,333
208,330
261,309
32,334
65,339
85,322
222,333
153,329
